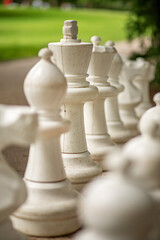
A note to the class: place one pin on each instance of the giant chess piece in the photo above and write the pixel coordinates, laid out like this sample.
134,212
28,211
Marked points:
119,133
143,83
72,56
17,126
131,96
141,156
50,209
122,210
98,140
143,153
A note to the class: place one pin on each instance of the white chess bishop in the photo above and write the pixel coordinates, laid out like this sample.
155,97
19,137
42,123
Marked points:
50,209
131,96
115,208
17,126
98,140
142,84
119,133
72,56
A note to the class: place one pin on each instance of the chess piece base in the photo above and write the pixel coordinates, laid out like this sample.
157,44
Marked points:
80,169
118,132
99,146
50,210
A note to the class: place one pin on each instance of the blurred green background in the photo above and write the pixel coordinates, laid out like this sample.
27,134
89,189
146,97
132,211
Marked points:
28,25
23,31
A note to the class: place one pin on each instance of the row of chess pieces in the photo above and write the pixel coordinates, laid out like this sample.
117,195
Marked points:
106,128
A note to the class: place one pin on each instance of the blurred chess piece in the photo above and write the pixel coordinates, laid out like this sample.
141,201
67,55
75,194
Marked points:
17,126
119,133
131,96
72,56
115,208
143,84
50,209
98,140
141,157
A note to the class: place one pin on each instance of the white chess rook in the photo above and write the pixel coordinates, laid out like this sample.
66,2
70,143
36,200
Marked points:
50,209
119,133
131,96
17,126
143,83
98,140
72,56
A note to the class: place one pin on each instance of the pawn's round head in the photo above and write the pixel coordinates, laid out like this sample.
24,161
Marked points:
117,208
150,121
156,99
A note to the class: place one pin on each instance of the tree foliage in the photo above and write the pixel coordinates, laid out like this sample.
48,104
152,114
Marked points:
144,19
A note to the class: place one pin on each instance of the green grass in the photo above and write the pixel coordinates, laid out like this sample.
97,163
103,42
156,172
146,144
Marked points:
23,31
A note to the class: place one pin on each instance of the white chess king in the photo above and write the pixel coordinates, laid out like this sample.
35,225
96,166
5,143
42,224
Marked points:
72,56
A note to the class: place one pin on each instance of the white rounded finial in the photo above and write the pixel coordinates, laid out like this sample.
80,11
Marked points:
110,44
95,40
156,99
149,126
45,85
45,53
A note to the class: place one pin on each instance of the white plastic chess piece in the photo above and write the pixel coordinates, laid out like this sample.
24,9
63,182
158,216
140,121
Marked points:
72,56
142,83
116,128
50,209
131,96
114,208
98,140
17,126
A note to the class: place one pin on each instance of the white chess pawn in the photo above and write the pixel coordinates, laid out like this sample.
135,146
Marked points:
98,140
17,126
114,208
119,133
50,209
142,83
72,56
131,96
